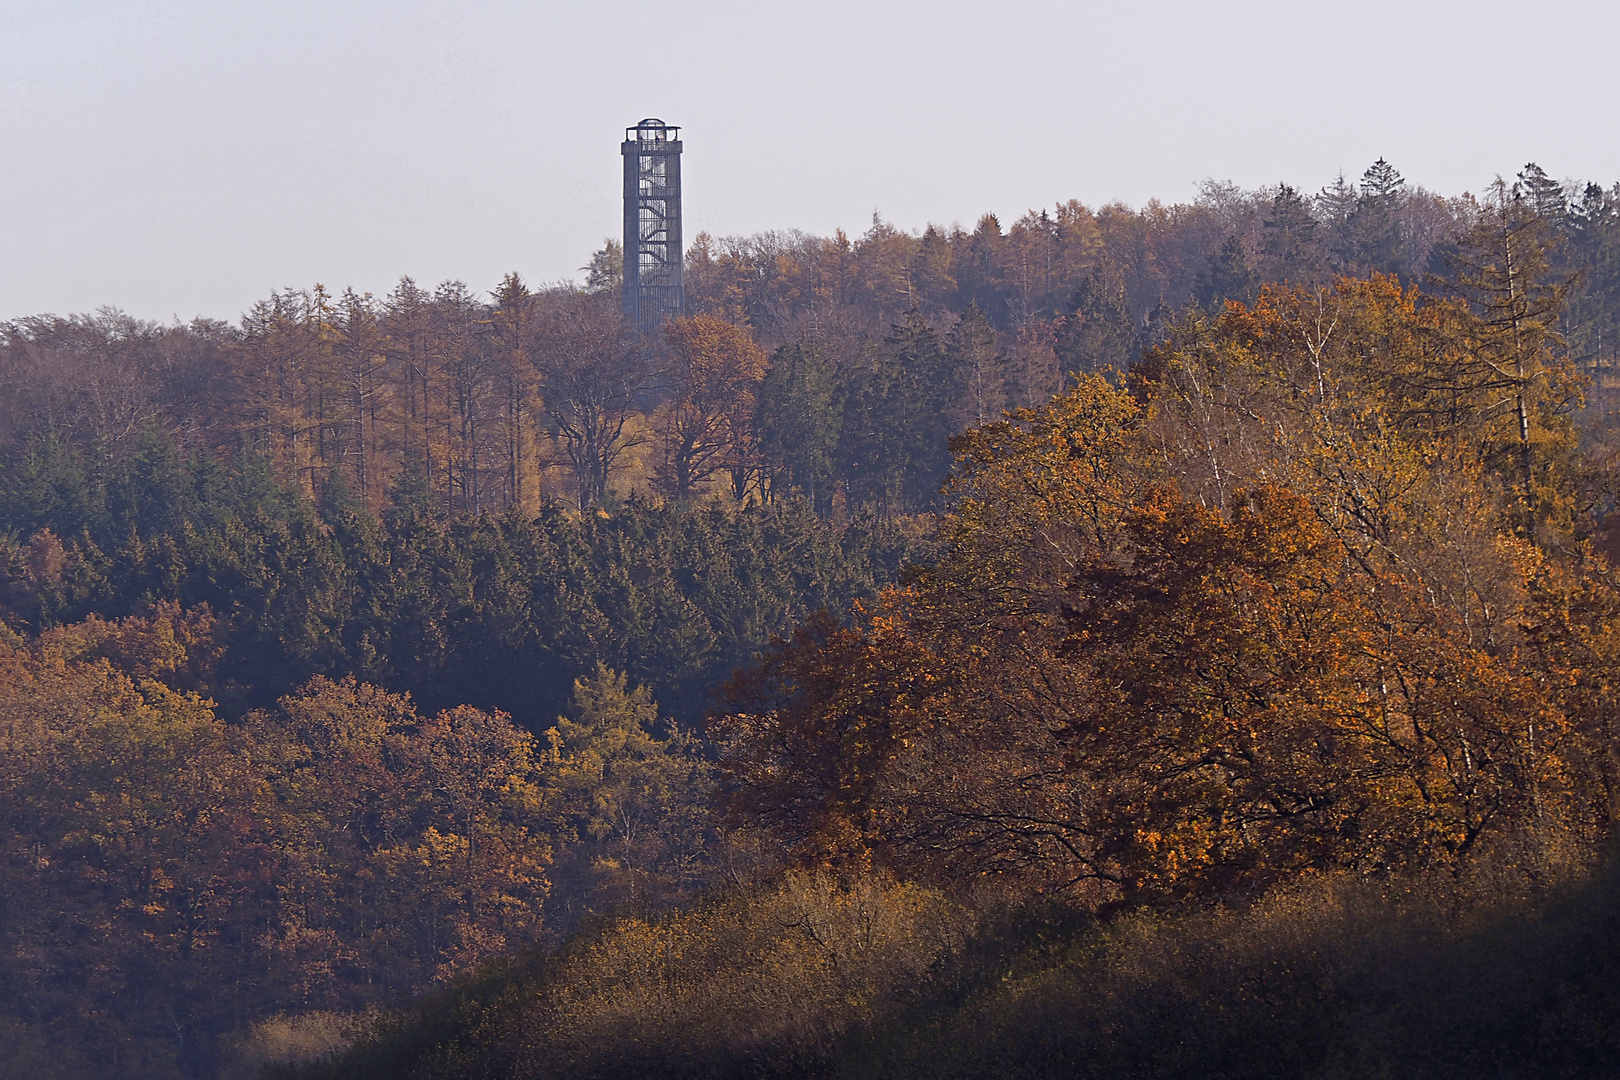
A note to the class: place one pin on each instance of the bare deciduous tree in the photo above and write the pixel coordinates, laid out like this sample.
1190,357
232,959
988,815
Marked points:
595,379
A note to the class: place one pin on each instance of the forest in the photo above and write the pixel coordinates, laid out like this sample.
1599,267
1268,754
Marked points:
1177,641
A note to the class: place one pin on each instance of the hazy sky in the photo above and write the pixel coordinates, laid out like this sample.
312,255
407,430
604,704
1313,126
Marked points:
183,158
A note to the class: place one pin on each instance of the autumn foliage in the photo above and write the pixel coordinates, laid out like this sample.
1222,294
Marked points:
1238,708
315,856
171,878
1284,604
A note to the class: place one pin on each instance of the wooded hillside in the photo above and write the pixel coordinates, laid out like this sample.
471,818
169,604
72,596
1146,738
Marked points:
927,628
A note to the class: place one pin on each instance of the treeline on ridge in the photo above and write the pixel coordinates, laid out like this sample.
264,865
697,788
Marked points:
835,369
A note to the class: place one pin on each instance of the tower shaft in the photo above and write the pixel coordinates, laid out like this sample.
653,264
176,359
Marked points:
652,225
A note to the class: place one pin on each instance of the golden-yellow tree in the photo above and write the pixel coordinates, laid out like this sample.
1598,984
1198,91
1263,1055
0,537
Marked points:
711,371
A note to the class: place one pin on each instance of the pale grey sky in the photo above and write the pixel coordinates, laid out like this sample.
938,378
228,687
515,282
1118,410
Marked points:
181,158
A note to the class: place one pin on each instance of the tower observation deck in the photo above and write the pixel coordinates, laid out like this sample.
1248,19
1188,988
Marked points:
652,224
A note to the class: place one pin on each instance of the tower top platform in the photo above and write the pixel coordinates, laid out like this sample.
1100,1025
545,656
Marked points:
652,129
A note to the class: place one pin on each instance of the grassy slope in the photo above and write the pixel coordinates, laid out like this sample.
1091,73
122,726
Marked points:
1326,980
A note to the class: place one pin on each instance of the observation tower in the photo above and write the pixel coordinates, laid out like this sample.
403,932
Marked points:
652,224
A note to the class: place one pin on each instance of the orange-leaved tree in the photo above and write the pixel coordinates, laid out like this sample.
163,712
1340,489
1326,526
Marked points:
168,876
1265,613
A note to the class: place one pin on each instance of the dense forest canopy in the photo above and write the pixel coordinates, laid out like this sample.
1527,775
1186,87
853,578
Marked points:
392,487
914,585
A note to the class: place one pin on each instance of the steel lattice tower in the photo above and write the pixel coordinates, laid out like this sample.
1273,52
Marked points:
652,224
